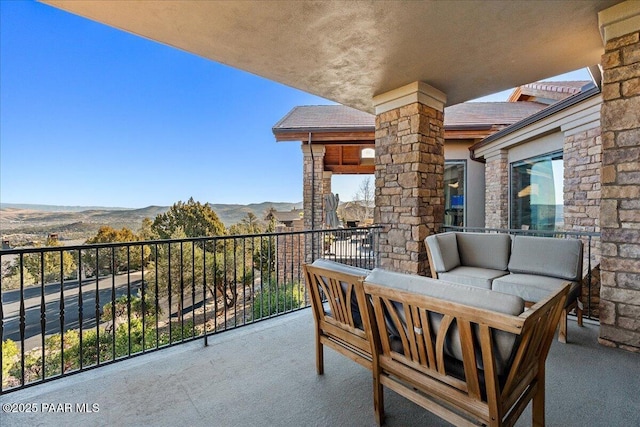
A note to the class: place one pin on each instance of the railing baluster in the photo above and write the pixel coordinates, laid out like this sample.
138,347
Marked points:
193,289
61,310
169,293
157,299
22,318
589,313
112,262
43,326
129,301
234,255
1,330
181,301
143,303
204,293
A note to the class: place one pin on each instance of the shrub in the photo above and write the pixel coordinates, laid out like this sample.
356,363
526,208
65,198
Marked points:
274,300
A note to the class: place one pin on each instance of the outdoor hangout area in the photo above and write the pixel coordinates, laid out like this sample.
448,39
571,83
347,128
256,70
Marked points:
495,280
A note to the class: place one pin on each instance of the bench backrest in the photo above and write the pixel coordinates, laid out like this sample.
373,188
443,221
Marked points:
421,359
495,302
337,301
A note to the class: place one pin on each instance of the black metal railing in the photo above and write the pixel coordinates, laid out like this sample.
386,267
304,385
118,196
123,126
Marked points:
66,309
591,259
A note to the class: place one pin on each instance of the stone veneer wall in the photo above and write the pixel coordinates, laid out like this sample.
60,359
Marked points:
496,178
313,187
290,250
620,204
582,155
409,178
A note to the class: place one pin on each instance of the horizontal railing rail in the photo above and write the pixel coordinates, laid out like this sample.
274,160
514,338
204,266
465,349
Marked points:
591,258
67,309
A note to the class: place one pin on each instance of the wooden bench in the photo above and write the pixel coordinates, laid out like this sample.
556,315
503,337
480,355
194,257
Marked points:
465,363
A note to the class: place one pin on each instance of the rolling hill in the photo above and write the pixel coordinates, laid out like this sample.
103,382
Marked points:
24,222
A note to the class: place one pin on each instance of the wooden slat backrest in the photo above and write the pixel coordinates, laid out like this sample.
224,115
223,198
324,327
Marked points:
337,326
481,396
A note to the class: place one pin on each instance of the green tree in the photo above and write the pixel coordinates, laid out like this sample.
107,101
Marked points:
194,218
10,352
101,259
56,265
250,224
146,230
264,255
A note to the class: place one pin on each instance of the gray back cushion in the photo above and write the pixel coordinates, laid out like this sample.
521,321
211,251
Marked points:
547,256
468,295
484,250
444,251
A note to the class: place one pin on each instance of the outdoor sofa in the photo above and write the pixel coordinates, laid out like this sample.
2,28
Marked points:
467,354
525,266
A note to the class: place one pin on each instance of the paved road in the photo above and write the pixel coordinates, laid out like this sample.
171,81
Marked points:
71,295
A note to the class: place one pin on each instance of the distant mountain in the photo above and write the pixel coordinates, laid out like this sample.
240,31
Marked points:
81,222
55,208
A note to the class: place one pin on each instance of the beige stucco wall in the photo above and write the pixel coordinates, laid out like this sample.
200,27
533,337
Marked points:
541,145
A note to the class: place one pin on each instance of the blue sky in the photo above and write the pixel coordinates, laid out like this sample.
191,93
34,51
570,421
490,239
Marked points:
93,116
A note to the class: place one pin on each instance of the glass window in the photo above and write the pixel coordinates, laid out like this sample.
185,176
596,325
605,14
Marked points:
454,184
537,197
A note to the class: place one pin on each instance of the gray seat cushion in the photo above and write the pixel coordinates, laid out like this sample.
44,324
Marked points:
467,295
484,250
533,288
547,256
472,276
444,251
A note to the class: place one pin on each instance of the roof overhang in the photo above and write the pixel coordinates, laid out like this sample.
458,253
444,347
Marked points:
577,112
350,52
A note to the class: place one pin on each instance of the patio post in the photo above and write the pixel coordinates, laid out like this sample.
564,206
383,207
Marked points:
496,178
620,204
409,171
313,202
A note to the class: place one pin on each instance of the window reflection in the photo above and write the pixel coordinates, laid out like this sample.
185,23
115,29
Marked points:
454,184
537,193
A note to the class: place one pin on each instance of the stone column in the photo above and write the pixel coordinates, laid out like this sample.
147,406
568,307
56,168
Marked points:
620,204
409,174
326,182
326,189
313,185
582,157
313,172
496,178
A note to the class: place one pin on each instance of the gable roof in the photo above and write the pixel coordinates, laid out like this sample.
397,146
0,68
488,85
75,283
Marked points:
325,118
547,92
479,115
586,92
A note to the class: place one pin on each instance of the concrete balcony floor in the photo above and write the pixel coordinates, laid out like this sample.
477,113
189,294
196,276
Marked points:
264,375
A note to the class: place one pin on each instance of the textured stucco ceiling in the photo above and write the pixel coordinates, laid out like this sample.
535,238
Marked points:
351,51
